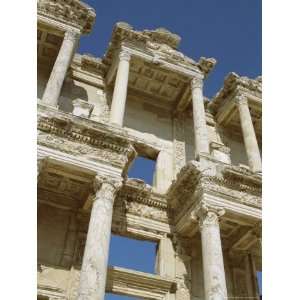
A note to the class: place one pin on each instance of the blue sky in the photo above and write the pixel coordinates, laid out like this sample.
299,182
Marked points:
229,31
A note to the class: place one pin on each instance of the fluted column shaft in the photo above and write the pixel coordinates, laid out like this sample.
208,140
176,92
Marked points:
213,265
59,71
95,258
120,90
200,128
249,136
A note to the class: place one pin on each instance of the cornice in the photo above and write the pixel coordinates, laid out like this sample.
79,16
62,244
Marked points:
232,182
138,283
136,190
83,136
233,83
160,44
72,13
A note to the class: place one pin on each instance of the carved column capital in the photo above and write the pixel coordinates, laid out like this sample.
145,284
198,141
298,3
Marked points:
207,214
241,100
101,182
71,35
124,55
197,82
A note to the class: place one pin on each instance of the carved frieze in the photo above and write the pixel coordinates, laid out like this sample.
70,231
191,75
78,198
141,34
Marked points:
72,12
146,211
63,133
234,183
234,83
160,43
179,143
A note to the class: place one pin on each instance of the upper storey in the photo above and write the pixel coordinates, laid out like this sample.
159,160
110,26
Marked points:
62,14
147,88
159,73
55,19
224,105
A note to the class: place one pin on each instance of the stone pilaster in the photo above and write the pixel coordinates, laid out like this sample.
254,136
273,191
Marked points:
95,258
120,90
200,129
59,71
213,265
249,136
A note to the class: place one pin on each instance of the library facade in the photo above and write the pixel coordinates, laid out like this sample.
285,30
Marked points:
143,98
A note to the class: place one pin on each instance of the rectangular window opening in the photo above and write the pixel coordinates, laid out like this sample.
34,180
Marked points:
143,168
129,253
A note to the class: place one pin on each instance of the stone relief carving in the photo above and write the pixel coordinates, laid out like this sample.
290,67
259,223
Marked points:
167,52
179,143
73,12
136,197
83,150
234,83
146,211
63,134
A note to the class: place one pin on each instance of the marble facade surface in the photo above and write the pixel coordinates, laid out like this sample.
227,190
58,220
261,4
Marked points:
143,98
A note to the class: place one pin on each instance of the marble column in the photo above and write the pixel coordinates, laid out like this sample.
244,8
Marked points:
200,128
59,71
95,258
212,256
249,136
120,89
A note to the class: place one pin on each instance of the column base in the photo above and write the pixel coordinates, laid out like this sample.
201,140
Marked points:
202,155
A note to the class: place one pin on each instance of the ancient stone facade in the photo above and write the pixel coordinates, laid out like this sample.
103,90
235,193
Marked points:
143,97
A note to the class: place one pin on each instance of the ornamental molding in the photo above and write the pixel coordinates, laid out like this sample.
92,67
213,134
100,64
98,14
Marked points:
207,214
234,84
92,64
220,147
160,43
241,100
72,13
135,190
103,183
124,55
206,65
138,284
197,82
193,182
85,138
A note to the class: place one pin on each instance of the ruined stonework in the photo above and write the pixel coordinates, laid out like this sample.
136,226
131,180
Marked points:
143,98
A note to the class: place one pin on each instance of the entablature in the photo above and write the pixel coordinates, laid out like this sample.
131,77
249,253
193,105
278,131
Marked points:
224,107
84,138
234,188
138,284
156,67
66,14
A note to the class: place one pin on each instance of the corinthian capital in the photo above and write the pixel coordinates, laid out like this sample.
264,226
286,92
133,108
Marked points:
101,182
197,82
71,35
124,55
241,100
209,214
